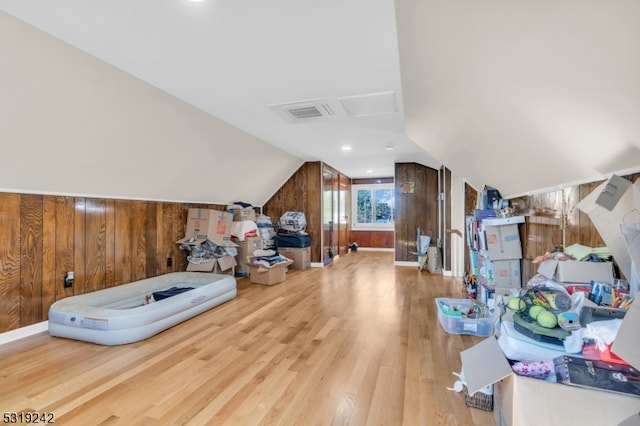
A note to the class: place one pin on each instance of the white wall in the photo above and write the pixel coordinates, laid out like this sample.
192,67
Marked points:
458,244
71,124
523,95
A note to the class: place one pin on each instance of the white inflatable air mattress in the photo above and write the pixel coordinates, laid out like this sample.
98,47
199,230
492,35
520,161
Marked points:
119,315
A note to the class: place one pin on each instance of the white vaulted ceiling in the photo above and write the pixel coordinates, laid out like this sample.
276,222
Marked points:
517,95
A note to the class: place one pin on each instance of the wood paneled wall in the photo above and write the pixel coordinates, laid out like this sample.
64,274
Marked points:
105,242
373,239
302,192
548,213
414,210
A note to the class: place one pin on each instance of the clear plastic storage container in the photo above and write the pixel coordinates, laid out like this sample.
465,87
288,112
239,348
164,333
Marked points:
452,319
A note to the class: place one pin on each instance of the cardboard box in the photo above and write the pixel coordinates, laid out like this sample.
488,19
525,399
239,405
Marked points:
503,242
206,224
244,214
260,274
246,249
527,401
225,263
301,256
573,271
506,273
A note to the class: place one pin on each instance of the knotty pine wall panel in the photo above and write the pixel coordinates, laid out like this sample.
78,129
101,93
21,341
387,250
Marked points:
105,242
31,245
545,216
49,205
95,244
123,242
10,262
301,192
415,210
373,239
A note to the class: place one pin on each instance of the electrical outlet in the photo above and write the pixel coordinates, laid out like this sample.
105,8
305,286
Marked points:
68,279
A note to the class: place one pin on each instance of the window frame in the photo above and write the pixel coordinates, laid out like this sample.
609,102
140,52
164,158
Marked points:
354,207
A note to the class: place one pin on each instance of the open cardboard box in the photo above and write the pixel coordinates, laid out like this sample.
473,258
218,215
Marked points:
573,271
206,224
527,401
220,264
260,274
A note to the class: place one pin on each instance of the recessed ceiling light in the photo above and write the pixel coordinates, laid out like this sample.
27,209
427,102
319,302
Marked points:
389,147
346,148
369,171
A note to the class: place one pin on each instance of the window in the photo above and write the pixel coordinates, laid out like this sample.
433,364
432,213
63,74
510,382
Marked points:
374,206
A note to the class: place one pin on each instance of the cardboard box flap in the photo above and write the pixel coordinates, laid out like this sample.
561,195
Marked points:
222,241
548,268
192,242
626,344
484,364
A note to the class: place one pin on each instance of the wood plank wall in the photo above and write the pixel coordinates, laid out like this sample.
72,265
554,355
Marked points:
302,192
105,242
414,210
547,213
373,239
545,216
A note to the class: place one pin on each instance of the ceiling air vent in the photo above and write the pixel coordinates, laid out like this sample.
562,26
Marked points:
302,111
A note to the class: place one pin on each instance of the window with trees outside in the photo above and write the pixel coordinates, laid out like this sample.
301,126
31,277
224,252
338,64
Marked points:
373,206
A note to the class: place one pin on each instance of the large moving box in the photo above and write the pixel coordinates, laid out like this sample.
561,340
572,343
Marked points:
503,242
212,225
260,274
301,256
246,249
573,271
206,224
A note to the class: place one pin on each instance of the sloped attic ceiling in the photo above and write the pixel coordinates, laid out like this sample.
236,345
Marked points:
235,60
523,95
71,124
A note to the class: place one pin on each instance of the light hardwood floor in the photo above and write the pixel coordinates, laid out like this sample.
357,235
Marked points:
354,343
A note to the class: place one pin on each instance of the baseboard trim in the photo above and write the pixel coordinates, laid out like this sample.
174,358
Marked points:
405,263
22,332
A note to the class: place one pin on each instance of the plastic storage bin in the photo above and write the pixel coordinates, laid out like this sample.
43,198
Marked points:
458,324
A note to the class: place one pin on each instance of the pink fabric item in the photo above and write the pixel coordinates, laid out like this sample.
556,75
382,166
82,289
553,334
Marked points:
533,368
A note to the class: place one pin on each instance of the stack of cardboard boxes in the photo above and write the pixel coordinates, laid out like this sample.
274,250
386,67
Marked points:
292,241
210,229
246,236
498,253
